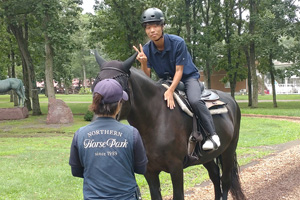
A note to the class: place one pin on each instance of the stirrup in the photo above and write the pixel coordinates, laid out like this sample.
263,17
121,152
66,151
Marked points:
191,145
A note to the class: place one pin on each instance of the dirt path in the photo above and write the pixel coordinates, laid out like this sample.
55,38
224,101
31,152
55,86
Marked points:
274,177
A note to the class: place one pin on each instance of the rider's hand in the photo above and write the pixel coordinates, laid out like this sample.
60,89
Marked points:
170,99
141,55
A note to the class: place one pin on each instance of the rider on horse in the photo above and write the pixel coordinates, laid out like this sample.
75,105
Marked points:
168,54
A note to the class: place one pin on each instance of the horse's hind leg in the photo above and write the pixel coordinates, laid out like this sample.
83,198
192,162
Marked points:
214,175
230,177
154,184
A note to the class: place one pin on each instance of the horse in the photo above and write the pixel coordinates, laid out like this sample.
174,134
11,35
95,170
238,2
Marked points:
16,85
165,133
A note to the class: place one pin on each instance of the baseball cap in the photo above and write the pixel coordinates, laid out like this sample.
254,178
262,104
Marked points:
110,90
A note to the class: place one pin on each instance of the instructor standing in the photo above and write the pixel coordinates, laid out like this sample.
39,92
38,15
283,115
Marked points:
107,153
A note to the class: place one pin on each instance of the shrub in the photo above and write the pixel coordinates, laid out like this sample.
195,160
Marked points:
88,116
85,91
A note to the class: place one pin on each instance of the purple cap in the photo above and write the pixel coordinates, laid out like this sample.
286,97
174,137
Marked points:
110,90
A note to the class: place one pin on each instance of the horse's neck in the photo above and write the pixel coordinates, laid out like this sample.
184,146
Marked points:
144,93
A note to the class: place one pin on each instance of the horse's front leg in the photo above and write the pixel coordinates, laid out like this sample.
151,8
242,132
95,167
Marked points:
154,184
177,181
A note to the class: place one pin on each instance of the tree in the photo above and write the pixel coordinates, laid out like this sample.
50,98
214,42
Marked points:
16,15
59,23
208,35
233,63
197,22
252,58
118,28
4,50
276,22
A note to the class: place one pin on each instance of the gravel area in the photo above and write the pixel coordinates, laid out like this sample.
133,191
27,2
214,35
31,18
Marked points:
275,177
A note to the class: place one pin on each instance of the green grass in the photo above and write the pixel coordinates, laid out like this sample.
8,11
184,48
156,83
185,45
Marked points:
34,156
266,108
270,97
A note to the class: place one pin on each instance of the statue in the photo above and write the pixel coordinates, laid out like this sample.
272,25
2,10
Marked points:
16,85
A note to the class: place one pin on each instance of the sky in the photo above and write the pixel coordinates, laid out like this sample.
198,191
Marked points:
88,6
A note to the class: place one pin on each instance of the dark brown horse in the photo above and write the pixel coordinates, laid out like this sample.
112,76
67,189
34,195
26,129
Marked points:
165,132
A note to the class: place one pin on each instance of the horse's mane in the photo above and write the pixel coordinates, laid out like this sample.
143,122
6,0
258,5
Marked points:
145,86
139,76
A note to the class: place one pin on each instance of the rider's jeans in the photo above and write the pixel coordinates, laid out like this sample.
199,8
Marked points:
193,91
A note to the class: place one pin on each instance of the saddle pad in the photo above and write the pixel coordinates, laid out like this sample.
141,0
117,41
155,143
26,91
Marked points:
215,107
212,104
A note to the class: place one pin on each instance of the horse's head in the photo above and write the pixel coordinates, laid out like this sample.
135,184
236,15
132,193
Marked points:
118,70
114,69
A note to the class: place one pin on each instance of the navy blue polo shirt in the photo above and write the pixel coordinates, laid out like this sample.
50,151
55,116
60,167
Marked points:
175,53
109,152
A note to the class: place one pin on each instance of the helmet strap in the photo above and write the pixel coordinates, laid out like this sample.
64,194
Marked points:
162,35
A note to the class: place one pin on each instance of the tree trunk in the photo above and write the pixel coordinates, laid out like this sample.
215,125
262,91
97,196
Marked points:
272,80
208,68
249,76
84,76
262,85
208,74
12,74
49,68
237,65
254,76
26,84
253,14
232,88
229,60
23,46
11,93
187,22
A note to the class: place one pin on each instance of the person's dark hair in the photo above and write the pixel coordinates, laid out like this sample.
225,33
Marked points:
100,108
153,23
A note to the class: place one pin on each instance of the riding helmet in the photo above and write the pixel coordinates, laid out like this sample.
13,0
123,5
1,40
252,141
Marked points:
152,15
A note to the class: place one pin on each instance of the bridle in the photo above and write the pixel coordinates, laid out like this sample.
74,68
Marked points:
121,77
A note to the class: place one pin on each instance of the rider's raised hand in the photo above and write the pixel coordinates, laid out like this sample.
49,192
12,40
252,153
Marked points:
141,55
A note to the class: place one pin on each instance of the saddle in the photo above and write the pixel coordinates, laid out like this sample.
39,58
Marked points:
210,98
212,102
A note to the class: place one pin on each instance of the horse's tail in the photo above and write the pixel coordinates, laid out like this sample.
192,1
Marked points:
236,189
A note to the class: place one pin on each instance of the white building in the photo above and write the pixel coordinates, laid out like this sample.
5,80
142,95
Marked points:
288,85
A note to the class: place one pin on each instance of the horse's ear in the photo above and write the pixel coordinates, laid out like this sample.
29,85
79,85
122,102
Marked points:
99,59
128,63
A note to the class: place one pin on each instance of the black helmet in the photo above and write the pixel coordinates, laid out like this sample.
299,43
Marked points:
152,15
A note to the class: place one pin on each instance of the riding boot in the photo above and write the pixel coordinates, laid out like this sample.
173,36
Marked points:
212,142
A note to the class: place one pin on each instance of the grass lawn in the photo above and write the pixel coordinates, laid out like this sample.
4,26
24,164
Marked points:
266,108
270,97
34,156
